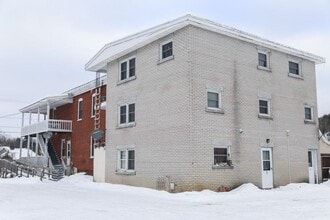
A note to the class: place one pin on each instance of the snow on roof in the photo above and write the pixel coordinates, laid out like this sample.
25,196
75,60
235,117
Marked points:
53,102
324,137
62,99
130,43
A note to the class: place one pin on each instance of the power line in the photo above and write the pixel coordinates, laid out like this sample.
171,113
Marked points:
12,100
14,132
6,116
8,126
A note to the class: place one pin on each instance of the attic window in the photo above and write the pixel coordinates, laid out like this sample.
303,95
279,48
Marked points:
127,69
166,49
294,68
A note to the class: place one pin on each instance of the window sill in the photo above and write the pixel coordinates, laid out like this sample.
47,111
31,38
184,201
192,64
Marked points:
126,172
309,122
79,119
262,116
165,59
215,110
132,124
126,80
222,167
264,68
295,76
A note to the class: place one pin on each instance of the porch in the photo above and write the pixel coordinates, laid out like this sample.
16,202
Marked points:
47,125
40,126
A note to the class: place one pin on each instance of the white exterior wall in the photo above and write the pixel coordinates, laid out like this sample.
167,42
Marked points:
174,136
99,165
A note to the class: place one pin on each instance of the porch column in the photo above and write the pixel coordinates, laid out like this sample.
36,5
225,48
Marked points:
37,135
38,113
48,110
21,141
28,143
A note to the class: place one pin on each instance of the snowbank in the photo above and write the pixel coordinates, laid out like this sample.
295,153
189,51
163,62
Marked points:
77,197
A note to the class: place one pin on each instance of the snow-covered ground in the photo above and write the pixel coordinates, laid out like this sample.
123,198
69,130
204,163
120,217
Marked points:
15,152
77,197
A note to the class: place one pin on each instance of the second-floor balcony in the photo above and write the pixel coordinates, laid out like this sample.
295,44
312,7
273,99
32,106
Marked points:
52,125
41,111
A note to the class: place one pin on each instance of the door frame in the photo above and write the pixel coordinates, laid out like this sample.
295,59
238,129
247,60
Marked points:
314,166
264,184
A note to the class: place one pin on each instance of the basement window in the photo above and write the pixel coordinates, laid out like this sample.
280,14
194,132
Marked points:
221,157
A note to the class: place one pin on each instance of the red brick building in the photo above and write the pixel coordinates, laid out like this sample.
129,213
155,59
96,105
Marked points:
69,120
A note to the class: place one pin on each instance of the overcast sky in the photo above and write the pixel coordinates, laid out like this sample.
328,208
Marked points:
44,44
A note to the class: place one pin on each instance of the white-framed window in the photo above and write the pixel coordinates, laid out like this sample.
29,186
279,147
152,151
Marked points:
127,69
262,60
221,156
126,114
80,109
308,113
295,68
264,107
166,50
214,100
126,160
91,148
93,105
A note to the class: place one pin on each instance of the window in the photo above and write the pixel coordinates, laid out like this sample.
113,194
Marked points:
126,160
294,68
127,69
93,108
63,148
310,160
262,57
212,100
264,107
166,50
222,156
308,113
91,151
127,114
80,109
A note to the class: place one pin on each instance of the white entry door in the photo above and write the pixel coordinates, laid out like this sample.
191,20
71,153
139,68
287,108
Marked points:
68,153
312,166
267,168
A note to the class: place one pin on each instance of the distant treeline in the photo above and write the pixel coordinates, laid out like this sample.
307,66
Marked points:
324,123
9,141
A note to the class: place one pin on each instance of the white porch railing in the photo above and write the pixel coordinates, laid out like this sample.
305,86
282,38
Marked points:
47,125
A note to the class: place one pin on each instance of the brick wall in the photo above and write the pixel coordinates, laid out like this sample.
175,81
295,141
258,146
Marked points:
81,130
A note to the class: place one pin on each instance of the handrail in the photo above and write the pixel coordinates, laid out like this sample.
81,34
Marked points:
47,125
15,169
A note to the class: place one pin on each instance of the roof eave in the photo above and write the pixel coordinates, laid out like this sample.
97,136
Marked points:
181,22
43,102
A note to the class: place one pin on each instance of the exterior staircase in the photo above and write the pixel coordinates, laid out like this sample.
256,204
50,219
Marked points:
59,169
